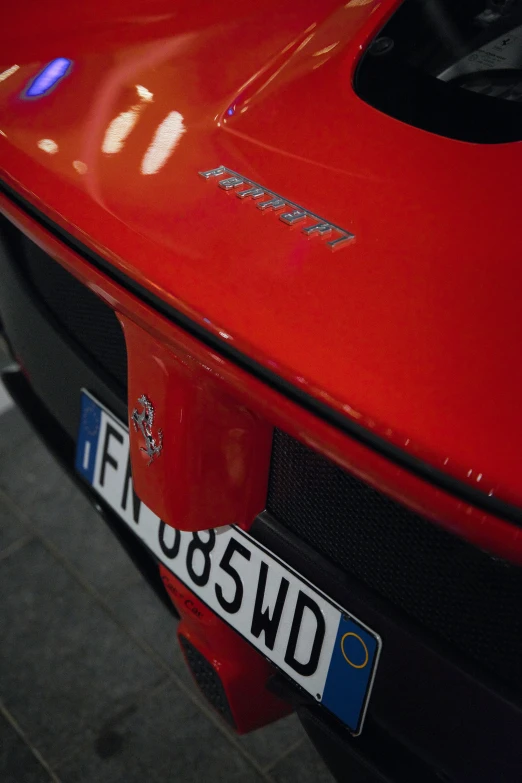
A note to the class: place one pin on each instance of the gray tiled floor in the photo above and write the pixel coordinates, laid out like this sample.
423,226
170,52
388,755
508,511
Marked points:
92,684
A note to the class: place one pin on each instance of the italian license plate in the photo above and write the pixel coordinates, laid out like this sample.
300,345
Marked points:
320,645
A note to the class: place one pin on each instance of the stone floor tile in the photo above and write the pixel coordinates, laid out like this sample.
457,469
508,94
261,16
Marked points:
266,745
166,738
64,663
17,762
303,764
139,609
58,510
11,529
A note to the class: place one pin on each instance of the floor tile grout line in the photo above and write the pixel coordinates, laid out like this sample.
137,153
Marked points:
61,558
294,745
14,546
36,753
267,776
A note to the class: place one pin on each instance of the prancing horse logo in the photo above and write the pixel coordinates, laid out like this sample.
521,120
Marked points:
143,423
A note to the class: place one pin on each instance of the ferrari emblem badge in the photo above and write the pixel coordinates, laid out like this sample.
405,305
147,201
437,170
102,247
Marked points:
143,423
311,225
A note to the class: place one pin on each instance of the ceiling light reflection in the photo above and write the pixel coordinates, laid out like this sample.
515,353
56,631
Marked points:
167,136
80,166
144,94
49,77
118,130
326,49
48,145
6,74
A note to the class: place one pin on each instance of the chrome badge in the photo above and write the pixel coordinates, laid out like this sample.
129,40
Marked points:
143,423
288,212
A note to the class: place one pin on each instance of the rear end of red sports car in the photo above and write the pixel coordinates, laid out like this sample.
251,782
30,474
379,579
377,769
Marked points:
260,280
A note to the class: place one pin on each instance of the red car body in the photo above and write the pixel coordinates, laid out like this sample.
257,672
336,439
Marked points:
394,354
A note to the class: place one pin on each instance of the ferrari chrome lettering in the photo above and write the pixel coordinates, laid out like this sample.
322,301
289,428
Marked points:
212,172
315,226
230,183
318,228
252,192
293,217
143,423
273,203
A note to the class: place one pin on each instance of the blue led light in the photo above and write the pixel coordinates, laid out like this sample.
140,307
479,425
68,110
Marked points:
49,77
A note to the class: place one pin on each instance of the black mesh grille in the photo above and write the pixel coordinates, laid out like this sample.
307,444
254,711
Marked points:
79,312
207,678
466,596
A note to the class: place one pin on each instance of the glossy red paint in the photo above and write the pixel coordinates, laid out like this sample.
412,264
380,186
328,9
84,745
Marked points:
215,456
411,330
243,672
483,529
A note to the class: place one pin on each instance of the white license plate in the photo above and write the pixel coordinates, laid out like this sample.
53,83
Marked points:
320,645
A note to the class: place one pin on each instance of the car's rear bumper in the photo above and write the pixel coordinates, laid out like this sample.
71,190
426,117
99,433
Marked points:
433,713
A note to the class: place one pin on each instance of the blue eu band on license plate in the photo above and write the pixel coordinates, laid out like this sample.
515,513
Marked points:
324,649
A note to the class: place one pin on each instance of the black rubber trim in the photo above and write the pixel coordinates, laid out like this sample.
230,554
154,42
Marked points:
418,467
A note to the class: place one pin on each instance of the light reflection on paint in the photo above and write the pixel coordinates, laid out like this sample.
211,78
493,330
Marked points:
49,77
301,46
120,127
80,166
352,412
145,95
6,74
118,130
48,145
326,49
167,136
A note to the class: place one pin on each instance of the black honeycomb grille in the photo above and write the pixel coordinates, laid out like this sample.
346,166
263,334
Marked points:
88,321
466,596
207,679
